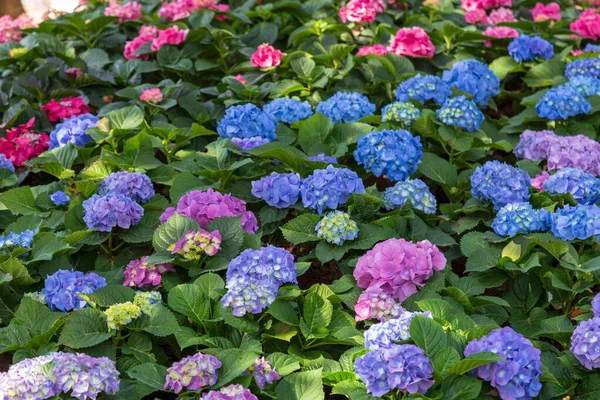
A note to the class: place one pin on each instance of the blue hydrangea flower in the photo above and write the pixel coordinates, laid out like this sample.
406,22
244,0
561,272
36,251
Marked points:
528,48
60,198
22,239
278,190
584,187
249,143
400,112
475,78
423,88
591,48
520,218
414,190
106,212
586,85
250,296
585,343
346,107
323,158
579,222
500,184
61,288
596,305
583,67
562,102
518,376
385,334
247,121
134,185
288,110
460,112
73,130
395,153
327,188
6,163
336,227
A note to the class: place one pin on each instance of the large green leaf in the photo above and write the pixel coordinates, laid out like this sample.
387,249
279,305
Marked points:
85,328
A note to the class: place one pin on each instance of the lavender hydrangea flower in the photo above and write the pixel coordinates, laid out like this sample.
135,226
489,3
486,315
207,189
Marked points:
134,185
584,187
423,88
247,121
231,392
500,184
249,143
579,222
193,373
591,48
60,198
6,163
586,86
400,112
249,296
460,112
263,372
583,67
528,48
106,212
520,218
28,379
585,343
61,289
414,190
278,190
346,107
562,102
596,305
336,227
394,153
73,130
518,376
22,239
328,188
288,110
385,334
475,78
323,158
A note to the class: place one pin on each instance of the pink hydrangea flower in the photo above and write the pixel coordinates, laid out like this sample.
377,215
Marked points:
477,16
538,181
398,267
240,79
139,273
75,72
501,15
576,52
171,35
10,29
180,9
153,95
375,303
360,11
499,32
377,49
193,245
266,56
588,24
129,11
22,143
413,42
469,5
66,108
543,12
146,34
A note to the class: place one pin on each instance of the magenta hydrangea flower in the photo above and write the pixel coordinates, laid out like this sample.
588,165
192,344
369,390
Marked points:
231,392
193,245
375,303
193,372
263,372
139,273
398,266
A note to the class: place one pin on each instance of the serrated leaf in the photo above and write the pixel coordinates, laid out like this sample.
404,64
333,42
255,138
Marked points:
301,229
85,328
427,334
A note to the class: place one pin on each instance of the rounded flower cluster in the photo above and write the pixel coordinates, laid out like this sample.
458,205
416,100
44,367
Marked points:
562,102
73,130
179,9
66,108
501,15
499,32
106,212
583,67
423,88
475,78
153,96
461,112
288,110
6,163
206,206
249,143
413,42
172,35
400,112
394,153
591,48
61,289
139,273
323,158
346,107
584,187
500,184
542,12
398,266
129,11
414,190
336,227
278,190
134,185
579,222
386,334
328,188
22,239
518,376
588,24
254,277
585,343
119,315
375,303
60,198
596,305
376,49
231,392
520,218
22,143
404,367
587,86
193,245
266,56
146,300
247,121
360,10
528,48
193,373
263,372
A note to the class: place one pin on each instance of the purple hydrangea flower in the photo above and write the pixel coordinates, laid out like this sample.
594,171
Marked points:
520,218
394,153
584,187
461,112
579,222
195,244
500,184
583,67
591,48
6,163
247,121
585,343
278,190
328,188
375,303
249,295
414,190
528,48
562,102
596,305
423,88
60,198
249,143
134,185
28,379
263,372
518,376
73,130
385,334
323,158
61,289
475,78
106,212
346,107
193,373
288,110
231,392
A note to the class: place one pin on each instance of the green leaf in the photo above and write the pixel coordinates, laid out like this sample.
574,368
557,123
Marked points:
438,169
316,316
212,285
314,133
483,259
112,294
20,201
151,374
439,308
126,118
503,66
427,334
18,272
139,345
232,235
307,385
85,328
173,230
474,361
158,321
36,317
283,311
461,388
235,361
444,360
283,363
546,73
189,300
301,229
46,245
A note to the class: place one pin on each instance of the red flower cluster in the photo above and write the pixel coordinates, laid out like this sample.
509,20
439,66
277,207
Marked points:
66,108
22,143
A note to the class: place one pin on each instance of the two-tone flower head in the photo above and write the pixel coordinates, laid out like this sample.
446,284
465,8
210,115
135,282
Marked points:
153,96
586,85
423,88
231,392
134,185
393,153
460,112
518,376
65,108
278,190
193,373
147,300
140,273
328,188
530,48
288,110
475,78
376,303
583,187
517,218
562,102
119,315
583,67
61,289
400,112
195,244
73,130
60,198
388,333
500,184
585,343
346,107
23,143
247,121
580,222
414,190
111,210
263,372
336,227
